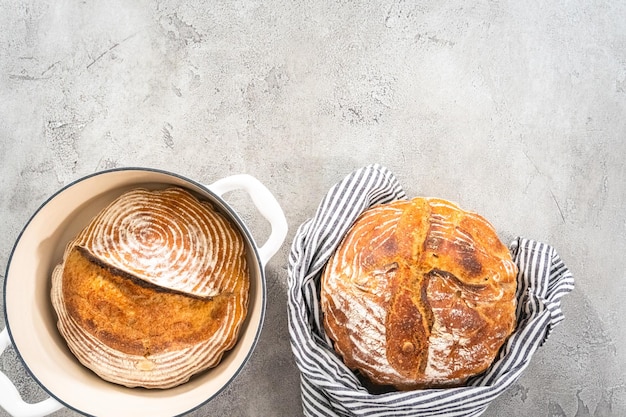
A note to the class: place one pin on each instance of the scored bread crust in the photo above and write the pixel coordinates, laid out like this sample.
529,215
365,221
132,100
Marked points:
153,290
419,294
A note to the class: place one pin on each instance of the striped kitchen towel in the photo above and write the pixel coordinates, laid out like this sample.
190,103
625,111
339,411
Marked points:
329,388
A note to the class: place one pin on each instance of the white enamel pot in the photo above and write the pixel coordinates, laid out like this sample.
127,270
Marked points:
31,320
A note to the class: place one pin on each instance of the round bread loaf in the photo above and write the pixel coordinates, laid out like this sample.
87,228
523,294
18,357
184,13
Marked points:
153,290
419,294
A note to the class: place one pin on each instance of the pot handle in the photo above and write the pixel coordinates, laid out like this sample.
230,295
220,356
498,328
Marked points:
10,398
266,204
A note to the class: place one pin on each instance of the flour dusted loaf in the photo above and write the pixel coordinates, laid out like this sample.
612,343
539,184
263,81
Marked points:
419,294
153,290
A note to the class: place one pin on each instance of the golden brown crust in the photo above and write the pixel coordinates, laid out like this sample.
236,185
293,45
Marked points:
153,290
132,317
420,293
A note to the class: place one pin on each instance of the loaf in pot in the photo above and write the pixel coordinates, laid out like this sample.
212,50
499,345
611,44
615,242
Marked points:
153,290
419,294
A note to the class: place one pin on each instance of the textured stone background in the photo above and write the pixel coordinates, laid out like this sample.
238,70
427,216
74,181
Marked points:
514,109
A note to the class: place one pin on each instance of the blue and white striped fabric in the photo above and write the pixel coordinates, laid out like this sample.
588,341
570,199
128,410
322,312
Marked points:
329,388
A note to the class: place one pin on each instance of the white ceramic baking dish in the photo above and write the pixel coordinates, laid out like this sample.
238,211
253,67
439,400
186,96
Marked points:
31,321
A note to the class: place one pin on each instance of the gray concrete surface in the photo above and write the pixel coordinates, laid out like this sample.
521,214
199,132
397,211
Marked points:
514,109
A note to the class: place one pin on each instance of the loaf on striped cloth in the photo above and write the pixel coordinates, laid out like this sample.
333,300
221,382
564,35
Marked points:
153,290
330,388
419,294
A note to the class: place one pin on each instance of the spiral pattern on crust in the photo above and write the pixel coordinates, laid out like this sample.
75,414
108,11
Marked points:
167,239
154,290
